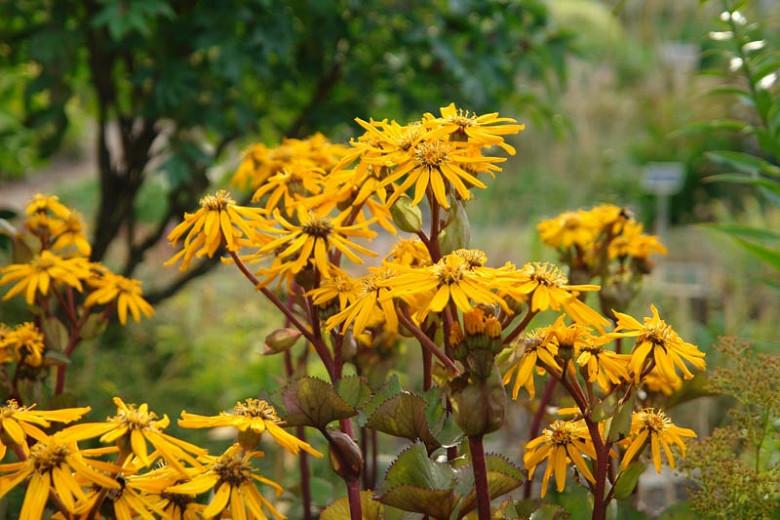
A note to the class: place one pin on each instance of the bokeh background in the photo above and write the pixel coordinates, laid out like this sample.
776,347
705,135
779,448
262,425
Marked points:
129,111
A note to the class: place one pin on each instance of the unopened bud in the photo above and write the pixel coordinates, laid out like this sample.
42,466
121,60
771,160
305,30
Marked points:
479,407
249,439
345,456
281,340
493,327
474,321
457,234
406,215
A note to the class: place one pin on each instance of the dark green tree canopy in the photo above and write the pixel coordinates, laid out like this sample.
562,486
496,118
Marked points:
172,84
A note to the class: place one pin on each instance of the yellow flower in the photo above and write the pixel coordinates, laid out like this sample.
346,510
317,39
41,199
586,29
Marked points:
655,381
219,221
7,351
40,273
252,416
371,306
658,342
439,166
548,288
125,293
133,427
313,238
127,502
47,204
338,286
289,187
25,343
55,465
571,228
655,427
70,232
231,477
484,130
603,366
409,252
536,348
19,422
170,506
430,289
561,443
634,243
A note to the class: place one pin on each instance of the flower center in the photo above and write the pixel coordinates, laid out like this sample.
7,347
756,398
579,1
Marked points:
46,456
654,421
560,434
431,155
233,472
44,262
134,418
547,274
217,202
320,228
256,408
449,274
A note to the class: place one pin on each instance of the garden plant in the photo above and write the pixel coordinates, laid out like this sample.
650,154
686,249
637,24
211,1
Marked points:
486,332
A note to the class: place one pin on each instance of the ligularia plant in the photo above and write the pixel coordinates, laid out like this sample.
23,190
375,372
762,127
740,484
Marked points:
486,330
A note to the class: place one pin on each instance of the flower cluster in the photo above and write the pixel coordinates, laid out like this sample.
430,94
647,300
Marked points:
137,482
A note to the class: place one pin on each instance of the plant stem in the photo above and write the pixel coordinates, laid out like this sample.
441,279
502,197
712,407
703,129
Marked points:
427,358
426,342
520,327
480,477
353,495
536,423
303,465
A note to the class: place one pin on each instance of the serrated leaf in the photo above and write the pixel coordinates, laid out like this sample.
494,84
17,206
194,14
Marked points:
404,416
415,483
503,477
354,390
309,401
339,510
628,479
389,389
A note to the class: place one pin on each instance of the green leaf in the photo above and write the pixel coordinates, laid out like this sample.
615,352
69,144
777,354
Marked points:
503,477
56,334
769,256
94,326
415,483
605,408
404,416
743,162
706,126
354,390
339,510
389,389
549,512
738,178
628,479
309,401
457,233
745,231
621,422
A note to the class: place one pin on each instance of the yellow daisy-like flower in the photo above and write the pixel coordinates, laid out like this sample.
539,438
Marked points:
253,416
70,232
538,347
482,130
40,273
657,341
170,506
440,166
603,366
430,289
372,304
47,204
55,465
7,351
561,443
219,221
132,427
410,253
289,187
634,243
25,344
571,228
655,381
231,478
19,422
547,287
127,502
312,239
126,293
654,427
339,287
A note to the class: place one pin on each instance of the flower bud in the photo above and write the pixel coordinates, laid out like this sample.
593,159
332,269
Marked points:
345,456
406,215
480,406
281,340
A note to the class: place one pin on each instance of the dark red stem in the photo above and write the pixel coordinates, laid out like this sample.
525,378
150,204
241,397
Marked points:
479,467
